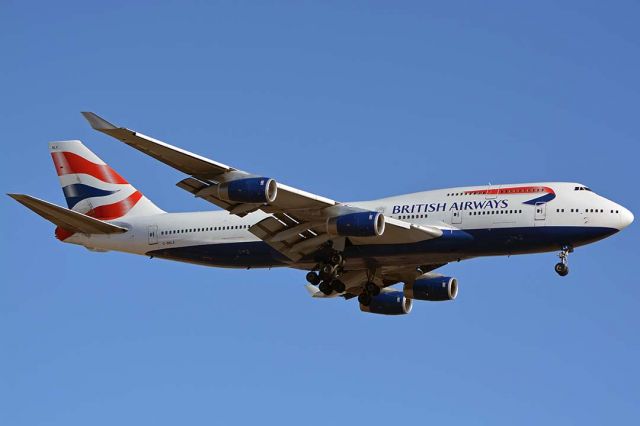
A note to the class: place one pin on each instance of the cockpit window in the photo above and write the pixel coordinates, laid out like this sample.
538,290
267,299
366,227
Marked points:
582,188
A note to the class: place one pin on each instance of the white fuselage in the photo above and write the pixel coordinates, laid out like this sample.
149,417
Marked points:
501,219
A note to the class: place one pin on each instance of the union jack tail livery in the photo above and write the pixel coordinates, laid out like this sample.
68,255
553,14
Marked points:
93,188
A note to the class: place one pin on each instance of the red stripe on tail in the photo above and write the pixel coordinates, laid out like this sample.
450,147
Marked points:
115,210
70,163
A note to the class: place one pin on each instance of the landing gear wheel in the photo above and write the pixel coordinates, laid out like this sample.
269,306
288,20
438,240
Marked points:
336,259
313,278
364,299
562,269
327,272
372,288
338,286
326,288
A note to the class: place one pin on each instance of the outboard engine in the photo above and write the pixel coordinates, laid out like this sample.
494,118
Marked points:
360,224
389,303
249,190
432,287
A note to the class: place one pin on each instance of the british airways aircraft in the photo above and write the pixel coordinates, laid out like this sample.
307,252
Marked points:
352,249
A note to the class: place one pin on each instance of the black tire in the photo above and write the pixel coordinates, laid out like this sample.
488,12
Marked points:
364,299
338,286
327,272
372,288
336,259
313,278
562,269
326,288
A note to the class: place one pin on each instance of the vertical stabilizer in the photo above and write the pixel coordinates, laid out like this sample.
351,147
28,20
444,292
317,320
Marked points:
93,188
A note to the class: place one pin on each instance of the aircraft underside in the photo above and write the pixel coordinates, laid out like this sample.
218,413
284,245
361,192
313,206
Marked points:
453,246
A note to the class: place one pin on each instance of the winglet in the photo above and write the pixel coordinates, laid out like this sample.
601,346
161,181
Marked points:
97,122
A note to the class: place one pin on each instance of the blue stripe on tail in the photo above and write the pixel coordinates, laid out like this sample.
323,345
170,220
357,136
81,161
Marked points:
78,192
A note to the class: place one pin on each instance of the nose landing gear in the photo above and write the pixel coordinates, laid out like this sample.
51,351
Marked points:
562,267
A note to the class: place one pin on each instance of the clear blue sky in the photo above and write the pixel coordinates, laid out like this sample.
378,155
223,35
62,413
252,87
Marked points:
352,101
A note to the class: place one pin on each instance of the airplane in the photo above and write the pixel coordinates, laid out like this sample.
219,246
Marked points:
350,249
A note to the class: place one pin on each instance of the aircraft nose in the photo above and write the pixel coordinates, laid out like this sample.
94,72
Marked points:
626,218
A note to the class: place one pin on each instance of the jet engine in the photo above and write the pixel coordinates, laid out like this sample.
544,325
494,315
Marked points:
360,224
433,288
389,303
249,190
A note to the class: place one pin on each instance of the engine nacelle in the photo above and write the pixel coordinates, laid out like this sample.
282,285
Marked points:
360,224
389,303
432,288
249,190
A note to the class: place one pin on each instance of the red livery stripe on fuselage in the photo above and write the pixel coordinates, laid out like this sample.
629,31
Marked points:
62,234
512,190
70,163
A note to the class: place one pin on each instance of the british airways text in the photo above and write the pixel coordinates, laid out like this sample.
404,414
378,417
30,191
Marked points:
441,207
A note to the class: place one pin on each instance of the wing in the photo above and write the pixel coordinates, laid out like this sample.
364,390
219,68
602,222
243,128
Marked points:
297,222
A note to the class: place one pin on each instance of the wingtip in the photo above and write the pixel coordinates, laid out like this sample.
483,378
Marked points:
20,198
97,122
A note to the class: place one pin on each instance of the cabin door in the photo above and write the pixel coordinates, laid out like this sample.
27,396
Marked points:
540,214
153,234
456,217
492,192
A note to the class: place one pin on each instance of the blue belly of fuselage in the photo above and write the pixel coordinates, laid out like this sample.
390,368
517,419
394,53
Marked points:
452,245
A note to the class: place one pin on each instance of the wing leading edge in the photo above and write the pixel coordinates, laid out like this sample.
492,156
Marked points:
297,225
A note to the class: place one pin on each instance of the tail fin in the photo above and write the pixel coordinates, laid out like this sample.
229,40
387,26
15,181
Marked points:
93,188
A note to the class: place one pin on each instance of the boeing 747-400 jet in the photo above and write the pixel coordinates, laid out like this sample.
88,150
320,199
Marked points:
352,249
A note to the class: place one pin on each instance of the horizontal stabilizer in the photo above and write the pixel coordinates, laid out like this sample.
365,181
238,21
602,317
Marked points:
65,218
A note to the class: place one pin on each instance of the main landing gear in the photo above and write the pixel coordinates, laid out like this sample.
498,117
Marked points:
327,276
562,267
